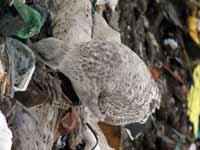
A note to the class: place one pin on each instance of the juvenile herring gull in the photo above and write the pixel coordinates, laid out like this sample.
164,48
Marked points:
108,77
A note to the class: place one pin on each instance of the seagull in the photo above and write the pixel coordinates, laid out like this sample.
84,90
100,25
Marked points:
108,77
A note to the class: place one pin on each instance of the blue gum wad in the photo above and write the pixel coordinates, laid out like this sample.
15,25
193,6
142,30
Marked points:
31,18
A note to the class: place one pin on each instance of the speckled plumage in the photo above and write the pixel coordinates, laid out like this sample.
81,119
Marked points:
72,20
102,31
108,77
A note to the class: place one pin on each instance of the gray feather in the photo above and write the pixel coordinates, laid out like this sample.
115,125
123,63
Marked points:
109,78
